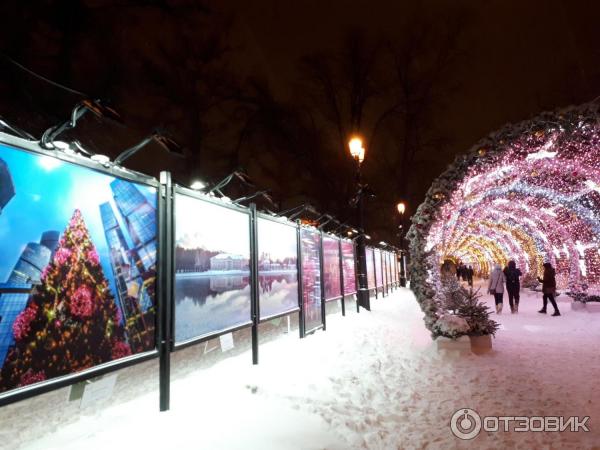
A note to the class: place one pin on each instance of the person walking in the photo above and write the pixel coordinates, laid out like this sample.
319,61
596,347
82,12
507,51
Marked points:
549,288
513,285
470,275
496,287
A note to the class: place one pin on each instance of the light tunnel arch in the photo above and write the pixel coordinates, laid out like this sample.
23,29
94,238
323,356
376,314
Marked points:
528,192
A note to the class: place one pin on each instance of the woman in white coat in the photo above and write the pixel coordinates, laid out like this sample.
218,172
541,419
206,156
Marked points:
496,286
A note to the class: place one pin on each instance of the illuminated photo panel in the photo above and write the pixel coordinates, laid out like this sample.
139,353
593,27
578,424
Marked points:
212,268
378,268
311,278
77,268
331,267
386,267
370,256
349,267
277,267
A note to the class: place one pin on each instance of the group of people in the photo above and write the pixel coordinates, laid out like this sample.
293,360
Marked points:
465,272
510,277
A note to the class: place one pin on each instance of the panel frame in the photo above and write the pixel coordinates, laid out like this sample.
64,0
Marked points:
283,221
29,391
339,246
181,190
322,325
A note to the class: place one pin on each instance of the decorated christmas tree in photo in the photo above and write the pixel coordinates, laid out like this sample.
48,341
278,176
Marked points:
71,321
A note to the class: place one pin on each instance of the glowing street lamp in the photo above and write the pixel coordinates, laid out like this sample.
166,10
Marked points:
356,149
401,208
358,154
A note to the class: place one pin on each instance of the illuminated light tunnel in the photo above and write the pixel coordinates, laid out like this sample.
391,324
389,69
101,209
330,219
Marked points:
528,192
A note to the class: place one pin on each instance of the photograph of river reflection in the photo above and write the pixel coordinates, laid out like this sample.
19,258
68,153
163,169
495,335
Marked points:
277,267
212,268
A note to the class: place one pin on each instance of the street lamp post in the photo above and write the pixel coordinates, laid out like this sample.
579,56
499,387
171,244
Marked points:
358,153
401,207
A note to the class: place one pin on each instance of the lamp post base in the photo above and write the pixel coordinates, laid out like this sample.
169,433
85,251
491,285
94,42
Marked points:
364,299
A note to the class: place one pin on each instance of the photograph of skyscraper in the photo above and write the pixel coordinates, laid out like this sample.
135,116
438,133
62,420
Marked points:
77,267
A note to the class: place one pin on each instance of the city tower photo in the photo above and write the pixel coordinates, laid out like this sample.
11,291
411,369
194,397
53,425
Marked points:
77,268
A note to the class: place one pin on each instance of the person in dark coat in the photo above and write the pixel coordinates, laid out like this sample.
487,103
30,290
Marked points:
549,288
470,275
513,285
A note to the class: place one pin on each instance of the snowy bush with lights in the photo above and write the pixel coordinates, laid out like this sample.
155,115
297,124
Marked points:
529,192
464,304
450,326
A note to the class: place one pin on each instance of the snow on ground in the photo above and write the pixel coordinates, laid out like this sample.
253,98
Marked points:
372,380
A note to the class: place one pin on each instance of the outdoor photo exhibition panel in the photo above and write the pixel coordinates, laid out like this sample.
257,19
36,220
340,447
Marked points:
370,256
77,269
311,279
378,268
212,267
384,268
348,264
389,267
277,267
331,268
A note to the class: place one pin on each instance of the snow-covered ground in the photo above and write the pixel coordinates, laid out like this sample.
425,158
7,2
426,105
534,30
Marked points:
373,380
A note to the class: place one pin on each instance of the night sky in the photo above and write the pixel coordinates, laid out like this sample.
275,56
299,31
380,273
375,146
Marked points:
233,83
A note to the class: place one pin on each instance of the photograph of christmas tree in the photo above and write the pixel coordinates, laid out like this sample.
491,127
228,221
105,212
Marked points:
311,278
277,267
348,266
331,268
77,268
212,265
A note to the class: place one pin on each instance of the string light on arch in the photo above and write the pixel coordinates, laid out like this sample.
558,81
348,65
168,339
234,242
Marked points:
528,192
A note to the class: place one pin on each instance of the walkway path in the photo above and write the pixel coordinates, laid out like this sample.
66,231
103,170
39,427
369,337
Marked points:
373,380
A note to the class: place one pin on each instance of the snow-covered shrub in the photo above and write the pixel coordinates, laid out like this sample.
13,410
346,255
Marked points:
453,294
451,326
477,315
466,303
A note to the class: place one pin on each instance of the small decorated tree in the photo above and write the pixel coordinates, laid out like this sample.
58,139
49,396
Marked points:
71,321
477,315
467,314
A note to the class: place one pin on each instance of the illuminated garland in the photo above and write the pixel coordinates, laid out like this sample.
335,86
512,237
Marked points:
529,192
